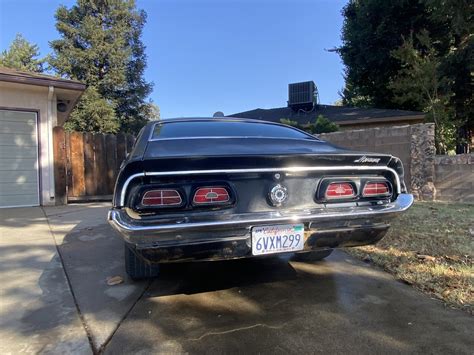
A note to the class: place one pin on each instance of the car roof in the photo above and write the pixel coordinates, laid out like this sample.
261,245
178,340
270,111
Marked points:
212,119
152,124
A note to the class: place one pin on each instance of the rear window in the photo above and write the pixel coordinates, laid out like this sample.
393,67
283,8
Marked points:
231,129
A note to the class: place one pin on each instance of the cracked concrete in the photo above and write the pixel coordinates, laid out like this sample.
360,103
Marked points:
208,334
92,252
275,306
265,305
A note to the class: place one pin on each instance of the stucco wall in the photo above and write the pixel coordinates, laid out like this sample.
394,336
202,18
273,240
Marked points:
28,97
391,140
454,177
427,175
347,127
413,144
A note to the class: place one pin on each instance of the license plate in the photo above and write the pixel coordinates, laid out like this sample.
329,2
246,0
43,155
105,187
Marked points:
277,239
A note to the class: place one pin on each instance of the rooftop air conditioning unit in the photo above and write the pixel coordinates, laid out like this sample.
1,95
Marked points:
302,95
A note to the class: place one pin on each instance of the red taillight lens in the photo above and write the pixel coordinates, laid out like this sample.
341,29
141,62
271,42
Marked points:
211,195
162,198
339,190
376,188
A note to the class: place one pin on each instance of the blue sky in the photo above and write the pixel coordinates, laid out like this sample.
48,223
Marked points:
210,55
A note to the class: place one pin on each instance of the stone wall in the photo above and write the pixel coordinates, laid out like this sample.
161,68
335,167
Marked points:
454,177
413,144
423,152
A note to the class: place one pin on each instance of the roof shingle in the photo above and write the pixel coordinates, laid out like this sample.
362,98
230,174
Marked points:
337,114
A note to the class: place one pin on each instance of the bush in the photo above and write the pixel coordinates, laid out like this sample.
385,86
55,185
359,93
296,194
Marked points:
321,125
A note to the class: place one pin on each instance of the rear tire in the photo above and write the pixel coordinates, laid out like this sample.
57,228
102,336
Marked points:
312,255
136,267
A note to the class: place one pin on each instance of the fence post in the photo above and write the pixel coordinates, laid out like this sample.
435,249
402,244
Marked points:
76,152
89,164
130,142
60,176
111,158
121,149
100,165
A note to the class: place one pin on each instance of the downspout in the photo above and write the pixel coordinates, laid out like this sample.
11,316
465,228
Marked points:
49,125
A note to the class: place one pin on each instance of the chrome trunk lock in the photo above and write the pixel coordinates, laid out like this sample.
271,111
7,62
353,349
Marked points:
278,195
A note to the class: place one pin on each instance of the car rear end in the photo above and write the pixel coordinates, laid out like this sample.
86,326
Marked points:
216,197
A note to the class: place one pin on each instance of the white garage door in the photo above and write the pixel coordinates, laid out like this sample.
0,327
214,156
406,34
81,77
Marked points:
19,183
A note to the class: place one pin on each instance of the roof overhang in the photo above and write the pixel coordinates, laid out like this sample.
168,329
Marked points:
42,81
382,120
66,91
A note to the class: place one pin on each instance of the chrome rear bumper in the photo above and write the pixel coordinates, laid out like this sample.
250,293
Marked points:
152,233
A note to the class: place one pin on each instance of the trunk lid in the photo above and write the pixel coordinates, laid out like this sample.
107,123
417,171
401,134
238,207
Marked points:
242,153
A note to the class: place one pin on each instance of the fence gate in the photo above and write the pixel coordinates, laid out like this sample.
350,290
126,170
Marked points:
86,164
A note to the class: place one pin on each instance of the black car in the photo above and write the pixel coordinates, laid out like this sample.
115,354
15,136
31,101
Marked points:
213,189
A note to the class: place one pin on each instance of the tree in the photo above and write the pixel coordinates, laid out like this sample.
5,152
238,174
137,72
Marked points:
153,111
22,55
418,82
372,29
456,63
338,102
323,125
93,113
289,122
101,46
375,53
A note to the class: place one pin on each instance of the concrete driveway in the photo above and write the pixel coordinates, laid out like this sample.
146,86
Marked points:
55,299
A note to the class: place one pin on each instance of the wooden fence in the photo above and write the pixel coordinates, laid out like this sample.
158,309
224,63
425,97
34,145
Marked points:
86,164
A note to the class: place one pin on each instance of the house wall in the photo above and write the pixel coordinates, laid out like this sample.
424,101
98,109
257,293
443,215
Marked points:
428,176
390,140
35,98
454,177
347,127
413,144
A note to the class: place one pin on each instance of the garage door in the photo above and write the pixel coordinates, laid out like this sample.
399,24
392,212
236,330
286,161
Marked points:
19,183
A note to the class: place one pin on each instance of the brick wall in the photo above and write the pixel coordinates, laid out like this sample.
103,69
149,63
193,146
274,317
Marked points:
454,177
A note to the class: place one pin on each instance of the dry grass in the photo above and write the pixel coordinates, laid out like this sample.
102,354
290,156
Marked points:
432,248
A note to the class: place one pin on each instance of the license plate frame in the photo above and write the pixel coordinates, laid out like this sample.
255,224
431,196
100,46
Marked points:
277,239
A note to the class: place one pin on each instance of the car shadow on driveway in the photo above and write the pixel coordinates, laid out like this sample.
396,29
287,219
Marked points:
209,276
276,306
266,305
92,252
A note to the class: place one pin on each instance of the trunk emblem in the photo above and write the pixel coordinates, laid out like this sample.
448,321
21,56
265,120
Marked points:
366,159
278,195
211,195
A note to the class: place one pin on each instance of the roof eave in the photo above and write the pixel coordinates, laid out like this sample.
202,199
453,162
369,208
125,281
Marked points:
70,85
381,120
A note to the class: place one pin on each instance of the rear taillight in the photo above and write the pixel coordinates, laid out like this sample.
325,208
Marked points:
211,196
340,190
376,189
162,198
